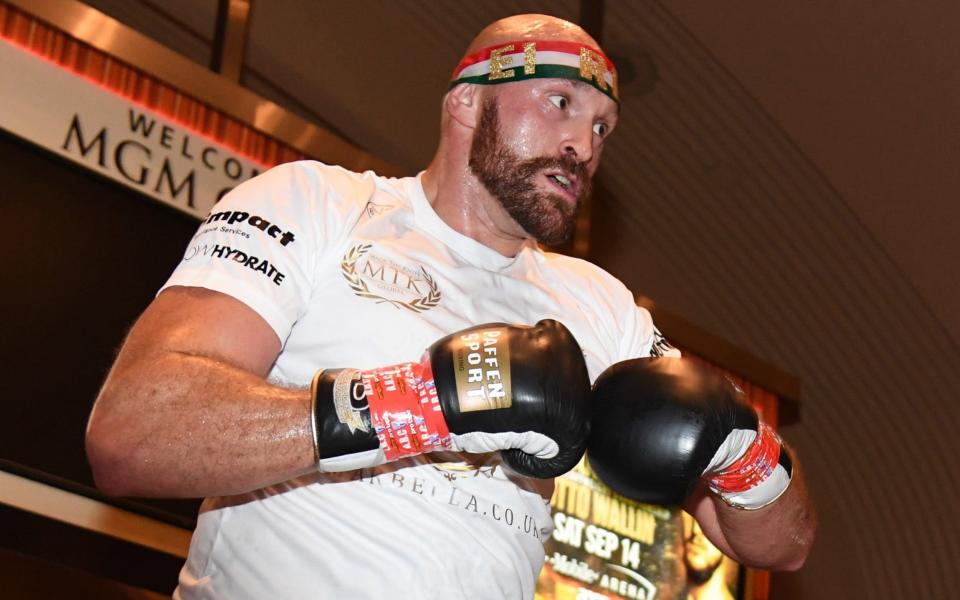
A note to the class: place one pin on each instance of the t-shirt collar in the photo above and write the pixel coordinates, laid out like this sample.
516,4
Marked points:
470,249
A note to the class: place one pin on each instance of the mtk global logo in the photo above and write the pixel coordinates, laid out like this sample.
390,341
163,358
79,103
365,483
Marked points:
383,280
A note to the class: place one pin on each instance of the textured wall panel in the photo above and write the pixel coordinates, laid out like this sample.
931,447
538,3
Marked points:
718,216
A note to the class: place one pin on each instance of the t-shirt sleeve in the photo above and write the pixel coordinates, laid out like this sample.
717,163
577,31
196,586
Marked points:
260,243
642,338
637,336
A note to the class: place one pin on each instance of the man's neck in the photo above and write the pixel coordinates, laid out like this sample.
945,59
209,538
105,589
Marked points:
467,207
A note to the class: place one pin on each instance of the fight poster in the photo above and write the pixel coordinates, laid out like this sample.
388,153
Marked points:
606,546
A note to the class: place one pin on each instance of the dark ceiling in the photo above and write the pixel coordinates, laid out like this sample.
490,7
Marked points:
784,176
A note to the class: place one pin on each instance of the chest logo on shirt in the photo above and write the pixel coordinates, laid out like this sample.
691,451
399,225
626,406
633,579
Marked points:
384,280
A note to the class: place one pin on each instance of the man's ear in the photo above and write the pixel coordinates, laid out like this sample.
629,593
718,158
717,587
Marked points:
462,103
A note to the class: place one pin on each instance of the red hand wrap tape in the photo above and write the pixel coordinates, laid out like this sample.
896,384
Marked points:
756,464
404,410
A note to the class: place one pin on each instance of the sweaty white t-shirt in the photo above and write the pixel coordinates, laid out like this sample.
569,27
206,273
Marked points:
356,270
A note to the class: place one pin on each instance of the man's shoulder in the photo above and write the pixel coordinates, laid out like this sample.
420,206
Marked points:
321,189
582,271
314,173
610,307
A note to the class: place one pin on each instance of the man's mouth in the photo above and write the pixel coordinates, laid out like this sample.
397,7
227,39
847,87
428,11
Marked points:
568,184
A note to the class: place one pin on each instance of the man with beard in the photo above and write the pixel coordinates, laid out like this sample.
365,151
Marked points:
710,575
330,482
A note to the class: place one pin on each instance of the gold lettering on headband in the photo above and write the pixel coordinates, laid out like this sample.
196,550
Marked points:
529,58
616,85
498,61
592,66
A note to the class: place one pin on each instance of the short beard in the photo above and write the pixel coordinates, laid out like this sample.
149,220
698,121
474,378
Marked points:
701,576
547,218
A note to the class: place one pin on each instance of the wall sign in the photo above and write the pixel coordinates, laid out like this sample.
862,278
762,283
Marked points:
120,139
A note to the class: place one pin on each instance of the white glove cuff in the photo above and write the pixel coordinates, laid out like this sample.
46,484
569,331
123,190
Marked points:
536,444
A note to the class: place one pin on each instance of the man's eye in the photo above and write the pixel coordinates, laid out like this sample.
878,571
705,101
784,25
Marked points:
559,101
601,129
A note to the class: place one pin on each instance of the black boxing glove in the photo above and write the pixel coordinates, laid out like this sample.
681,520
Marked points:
660,425
521,390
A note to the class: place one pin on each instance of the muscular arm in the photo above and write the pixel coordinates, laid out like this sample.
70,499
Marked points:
186,410
776,537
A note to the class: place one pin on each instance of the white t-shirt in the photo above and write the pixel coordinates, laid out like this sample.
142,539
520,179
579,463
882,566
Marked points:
356,270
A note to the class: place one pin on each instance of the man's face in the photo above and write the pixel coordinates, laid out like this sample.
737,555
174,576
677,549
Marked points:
702,558
540,168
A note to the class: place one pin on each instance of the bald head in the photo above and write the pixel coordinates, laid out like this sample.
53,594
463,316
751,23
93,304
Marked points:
535,47
529,27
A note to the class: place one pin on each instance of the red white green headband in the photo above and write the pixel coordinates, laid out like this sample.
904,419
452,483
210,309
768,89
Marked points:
531,59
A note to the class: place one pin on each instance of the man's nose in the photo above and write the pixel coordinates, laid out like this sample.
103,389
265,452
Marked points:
579,143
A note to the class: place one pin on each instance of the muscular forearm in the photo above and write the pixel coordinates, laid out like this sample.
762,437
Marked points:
182,425
776,537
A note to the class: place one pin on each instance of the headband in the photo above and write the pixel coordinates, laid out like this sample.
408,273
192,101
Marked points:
531,59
